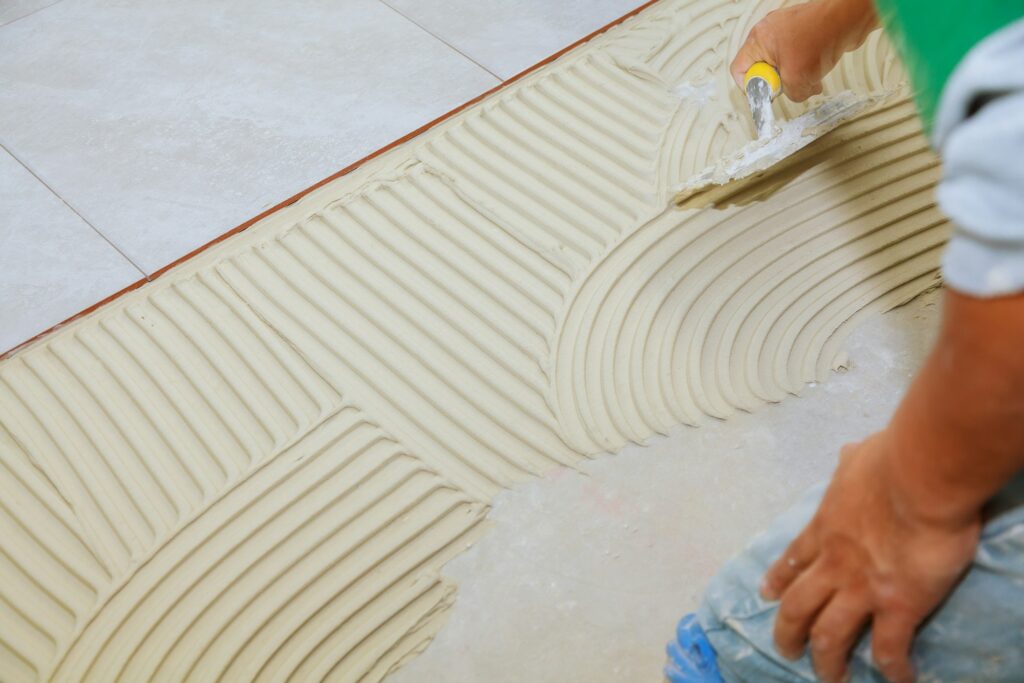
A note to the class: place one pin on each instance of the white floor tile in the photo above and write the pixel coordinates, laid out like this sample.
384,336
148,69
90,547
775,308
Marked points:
167,124
52,264
507,36
11,10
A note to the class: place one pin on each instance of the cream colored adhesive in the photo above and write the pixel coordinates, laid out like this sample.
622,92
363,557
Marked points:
255,467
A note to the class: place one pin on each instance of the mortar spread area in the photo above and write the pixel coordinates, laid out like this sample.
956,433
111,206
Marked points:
255,467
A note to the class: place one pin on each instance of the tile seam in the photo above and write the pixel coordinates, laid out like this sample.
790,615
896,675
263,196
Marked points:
438,38
26,16
21,162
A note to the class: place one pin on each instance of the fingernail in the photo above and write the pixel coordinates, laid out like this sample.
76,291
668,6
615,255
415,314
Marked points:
767,592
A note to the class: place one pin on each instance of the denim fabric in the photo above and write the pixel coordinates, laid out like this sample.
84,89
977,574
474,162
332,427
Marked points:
976,635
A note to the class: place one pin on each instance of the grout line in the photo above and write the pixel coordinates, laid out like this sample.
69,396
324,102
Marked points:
23,16
439,38
73,209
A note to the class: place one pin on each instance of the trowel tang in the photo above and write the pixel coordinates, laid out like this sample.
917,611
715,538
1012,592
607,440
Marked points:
762,84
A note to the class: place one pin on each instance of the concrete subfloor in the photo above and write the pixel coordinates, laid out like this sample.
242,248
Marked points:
585,573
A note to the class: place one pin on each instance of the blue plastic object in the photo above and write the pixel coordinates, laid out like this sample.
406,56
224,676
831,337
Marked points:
691,658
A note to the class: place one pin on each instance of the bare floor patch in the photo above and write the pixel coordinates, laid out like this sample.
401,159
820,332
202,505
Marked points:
586,572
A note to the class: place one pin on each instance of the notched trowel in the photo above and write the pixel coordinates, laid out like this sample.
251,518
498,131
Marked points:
774,142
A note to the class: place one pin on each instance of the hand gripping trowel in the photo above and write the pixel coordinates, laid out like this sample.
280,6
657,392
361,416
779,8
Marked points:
774,142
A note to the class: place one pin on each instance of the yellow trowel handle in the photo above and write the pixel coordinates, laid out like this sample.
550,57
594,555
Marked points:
766,72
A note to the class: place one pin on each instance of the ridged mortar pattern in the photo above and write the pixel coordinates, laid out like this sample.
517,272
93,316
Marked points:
255,467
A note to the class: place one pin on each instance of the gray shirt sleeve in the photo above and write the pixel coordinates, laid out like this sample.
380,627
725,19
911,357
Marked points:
979,131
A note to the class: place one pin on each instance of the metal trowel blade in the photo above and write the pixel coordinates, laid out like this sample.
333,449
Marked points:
793,135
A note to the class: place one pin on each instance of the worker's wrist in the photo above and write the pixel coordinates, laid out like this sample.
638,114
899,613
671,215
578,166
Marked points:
921,486
855,19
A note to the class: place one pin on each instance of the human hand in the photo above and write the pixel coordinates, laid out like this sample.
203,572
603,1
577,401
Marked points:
866,555
804,42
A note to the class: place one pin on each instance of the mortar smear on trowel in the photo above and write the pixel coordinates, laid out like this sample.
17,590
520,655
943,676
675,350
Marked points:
788,138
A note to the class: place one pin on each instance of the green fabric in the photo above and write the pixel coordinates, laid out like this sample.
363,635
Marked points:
933,36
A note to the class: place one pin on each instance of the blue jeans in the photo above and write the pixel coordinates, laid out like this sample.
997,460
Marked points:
976,635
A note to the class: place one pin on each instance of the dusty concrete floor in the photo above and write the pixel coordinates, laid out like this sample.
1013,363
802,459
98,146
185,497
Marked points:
586,572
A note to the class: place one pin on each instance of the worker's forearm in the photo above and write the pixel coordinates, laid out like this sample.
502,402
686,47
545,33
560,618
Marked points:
959,433
854,19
